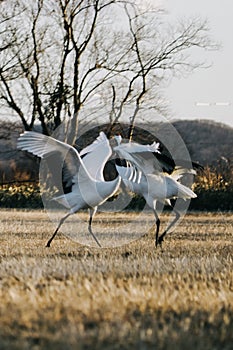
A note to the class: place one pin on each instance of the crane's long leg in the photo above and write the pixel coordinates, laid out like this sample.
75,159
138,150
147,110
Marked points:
161,238
157,222
92,213
59,225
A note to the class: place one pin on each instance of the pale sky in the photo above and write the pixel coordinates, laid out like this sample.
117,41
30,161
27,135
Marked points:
206,93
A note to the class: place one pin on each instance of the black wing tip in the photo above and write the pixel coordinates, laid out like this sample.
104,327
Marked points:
197,165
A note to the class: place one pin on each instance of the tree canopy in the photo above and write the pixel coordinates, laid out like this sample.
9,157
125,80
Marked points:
68,60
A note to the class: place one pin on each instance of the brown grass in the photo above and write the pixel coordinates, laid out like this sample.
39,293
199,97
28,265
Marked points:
130,297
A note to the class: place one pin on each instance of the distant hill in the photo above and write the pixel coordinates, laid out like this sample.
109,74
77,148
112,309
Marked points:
13,163
208,143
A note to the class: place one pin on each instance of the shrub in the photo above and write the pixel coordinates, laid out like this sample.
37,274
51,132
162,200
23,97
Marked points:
214,189
18,195
213,186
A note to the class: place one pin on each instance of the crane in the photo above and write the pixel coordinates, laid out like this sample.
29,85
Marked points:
88,189
142,169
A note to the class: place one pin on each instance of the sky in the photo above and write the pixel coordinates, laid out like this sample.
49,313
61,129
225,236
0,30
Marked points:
206,93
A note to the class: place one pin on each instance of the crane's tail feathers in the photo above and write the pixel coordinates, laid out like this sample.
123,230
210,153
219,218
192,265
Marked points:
62,200
185,192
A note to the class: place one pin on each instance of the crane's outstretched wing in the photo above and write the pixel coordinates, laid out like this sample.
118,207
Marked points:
168,164
142,156
45,146
95,156
150,160
134,147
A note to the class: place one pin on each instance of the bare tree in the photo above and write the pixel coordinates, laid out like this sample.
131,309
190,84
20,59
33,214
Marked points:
155,55
61,57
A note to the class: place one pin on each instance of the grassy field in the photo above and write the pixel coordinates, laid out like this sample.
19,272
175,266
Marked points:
70,296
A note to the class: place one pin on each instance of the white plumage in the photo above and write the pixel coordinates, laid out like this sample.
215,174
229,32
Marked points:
141,167
143,175
89,189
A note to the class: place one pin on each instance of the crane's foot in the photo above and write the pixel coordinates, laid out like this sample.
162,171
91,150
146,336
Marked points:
48,244
158,242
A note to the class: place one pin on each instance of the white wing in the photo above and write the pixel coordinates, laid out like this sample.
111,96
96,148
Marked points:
134,147
44,146
96,155
142,156
101,139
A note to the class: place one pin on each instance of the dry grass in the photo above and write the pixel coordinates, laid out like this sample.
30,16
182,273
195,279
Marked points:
131,297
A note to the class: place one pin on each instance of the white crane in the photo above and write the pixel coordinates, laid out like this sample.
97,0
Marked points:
142,173
88,187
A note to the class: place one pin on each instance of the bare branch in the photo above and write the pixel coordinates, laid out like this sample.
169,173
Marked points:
69,53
